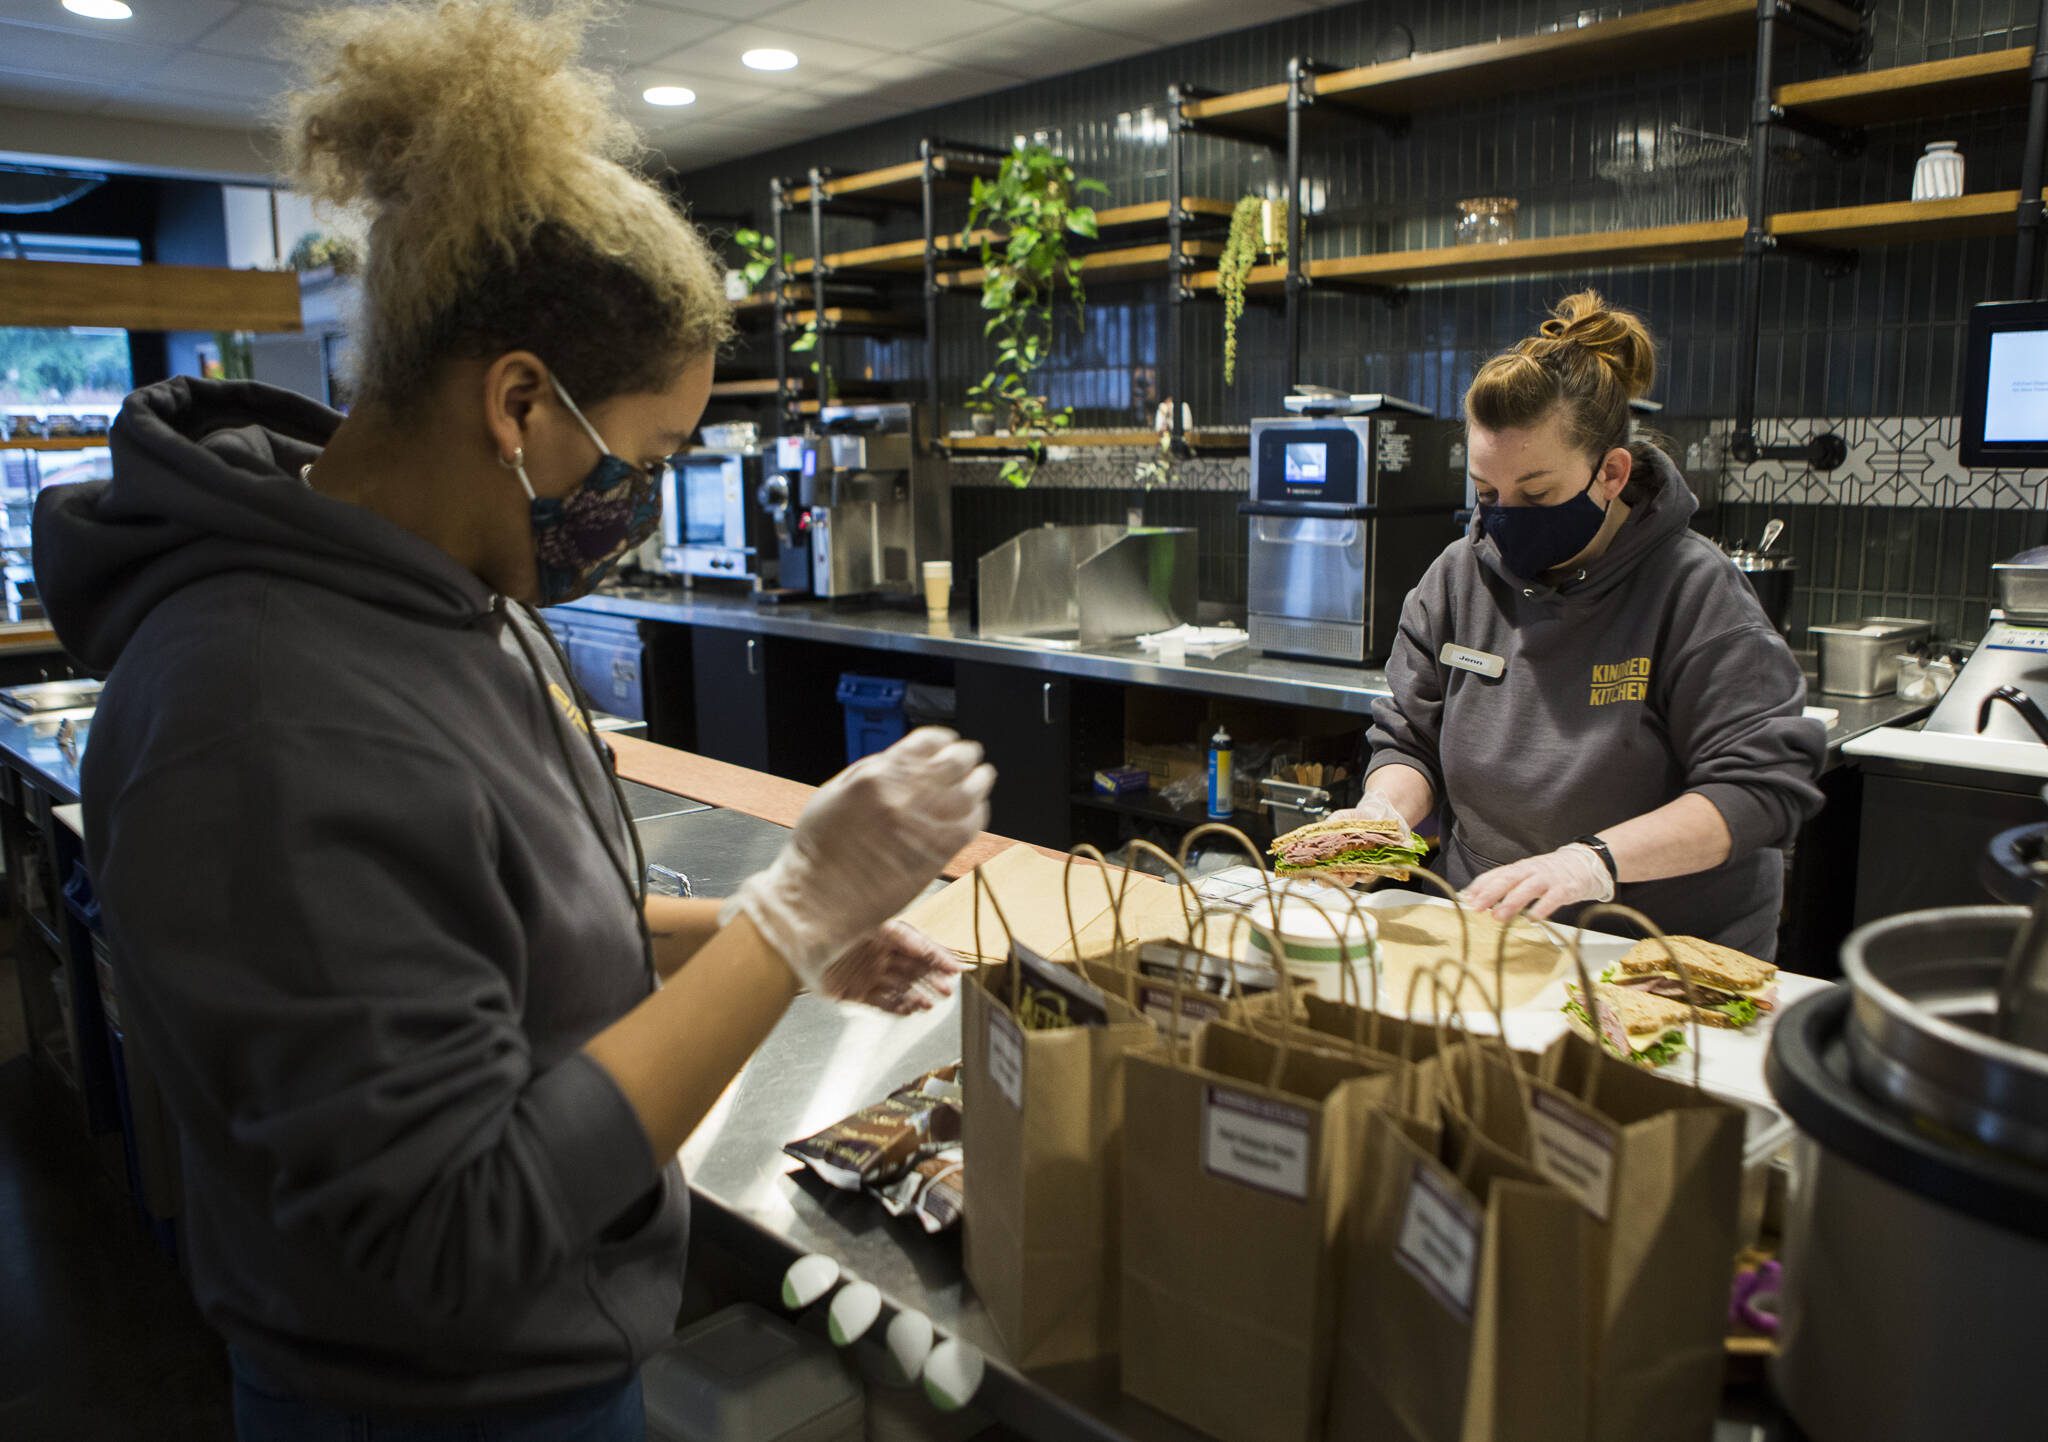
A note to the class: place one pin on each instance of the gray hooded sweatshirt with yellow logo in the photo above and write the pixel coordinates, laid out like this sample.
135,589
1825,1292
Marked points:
1650,673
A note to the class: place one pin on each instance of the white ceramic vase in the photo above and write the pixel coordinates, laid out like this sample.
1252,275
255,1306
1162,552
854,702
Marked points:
1939,175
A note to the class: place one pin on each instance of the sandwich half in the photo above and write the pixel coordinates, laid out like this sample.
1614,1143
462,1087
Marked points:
1346,851
1653,1025
1733,987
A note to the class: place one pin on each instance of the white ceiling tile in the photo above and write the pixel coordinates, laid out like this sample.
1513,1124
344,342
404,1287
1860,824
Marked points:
258,32
1037,47
231,77
815,54
46,92
79,57
155,22
646,32
1172,22
150,102
893,24
712,88
732,9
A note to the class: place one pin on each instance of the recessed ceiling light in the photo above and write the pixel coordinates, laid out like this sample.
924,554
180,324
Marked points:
100,9
669,95
769,59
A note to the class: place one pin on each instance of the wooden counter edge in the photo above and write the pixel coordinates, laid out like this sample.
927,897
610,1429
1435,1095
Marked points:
757,794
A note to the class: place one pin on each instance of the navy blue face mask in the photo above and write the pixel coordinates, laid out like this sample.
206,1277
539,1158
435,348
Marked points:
1535,539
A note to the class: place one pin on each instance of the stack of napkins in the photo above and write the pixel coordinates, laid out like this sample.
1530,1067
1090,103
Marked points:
1197,640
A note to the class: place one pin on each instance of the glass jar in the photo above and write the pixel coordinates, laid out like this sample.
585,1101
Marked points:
1487,220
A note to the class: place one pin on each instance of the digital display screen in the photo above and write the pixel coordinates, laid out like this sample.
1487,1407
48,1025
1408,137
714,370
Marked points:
2016,387
703,504
1307,463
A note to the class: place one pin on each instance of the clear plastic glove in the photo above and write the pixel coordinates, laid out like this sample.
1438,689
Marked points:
1560,878
897,968
1374,807
867,844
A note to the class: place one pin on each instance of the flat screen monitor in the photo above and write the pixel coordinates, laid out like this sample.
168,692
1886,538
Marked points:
2005,385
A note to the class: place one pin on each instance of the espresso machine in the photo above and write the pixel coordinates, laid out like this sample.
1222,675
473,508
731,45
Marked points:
1351,498
796,463
877,500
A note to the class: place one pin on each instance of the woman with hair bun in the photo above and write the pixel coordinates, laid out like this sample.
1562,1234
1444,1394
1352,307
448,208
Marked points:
376,904
1584,689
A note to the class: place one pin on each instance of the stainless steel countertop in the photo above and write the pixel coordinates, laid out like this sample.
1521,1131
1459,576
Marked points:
38,756
1241,674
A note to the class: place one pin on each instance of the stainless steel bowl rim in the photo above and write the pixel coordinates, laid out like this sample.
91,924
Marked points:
1964,1079
1808,1072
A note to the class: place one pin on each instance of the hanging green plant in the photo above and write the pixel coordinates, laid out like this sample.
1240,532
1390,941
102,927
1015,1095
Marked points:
1026,212
1258,234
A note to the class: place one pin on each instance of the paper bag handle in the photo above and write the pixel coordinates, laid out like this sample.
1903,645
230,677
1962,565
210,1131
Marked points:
983,889
1652,932
1243,843
1281,1049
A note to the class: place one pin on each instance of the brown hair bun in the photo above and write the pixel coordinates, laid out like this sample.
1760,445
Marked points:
1590,358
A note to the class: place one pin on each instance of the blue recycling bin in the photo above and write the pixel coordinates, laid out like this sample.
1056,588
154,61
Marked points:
875,719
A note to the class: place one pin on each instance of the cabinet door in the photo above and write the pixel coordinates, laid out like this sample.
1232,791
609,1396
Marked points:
1923,842
609,670
729,671
1022,719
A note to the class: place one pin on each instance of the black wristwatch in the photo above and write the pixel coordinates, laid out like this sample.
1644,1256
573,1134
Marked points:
1599,849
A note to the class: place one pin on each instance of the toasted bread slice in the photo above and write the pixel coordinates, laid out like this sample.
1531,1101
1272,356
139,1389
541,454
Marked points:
1709,963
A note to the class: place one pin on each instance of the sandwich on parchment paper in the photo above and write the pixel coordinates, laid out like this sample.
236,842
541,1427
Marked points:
1347,851
1733,987
1636,1025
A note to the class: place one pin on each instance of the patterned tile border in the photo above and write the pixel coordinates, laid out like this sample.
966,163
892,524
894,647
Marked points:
1893,461
1113,469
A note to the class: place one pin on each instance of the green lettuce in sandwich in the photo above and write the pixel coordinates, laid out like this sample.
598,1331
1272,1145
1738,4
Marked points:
1345,851
1652,1026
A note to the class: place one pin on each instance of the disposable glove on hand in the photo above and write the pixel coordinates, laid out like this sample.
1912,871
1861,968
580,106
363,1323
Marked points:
897,968
1543,884
1374,807
867,844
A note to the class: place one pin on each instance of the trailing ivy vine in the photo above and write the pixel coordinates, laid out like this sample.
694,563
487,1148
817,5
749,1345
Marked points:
1025,213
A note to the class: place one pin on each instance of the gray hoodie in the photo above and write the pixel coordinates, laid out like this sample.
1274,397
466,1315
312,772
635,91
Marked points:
1650,673
368,883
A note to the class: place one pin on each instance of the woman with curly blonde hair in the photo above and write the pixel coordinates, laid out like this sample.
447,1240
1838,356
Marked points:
375,899
1586,693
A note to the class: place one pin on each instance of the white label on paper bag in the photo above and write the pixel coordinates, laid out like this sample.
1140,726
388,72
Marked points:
1158,1004
1439,1240
1006,1056
1260,1143
1574,1149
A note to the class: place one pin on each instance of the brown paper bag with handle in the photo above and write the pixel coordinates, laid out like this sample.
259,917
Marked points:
1657,1165
1467,1290
1239,1167
1042,1129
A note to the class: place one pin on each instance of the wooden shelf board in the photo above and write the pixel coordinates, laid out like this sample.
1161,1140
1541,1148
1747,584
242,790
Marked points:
147,297
1109,265
896,182
854,318
1154,212
1704,240
1909,92
1696,29
734,390
1989,213
1132,439
1692,30
54,443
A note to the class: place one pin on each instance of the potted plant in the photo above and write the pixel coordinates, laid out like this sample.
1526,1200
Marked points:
1258,231
1026,213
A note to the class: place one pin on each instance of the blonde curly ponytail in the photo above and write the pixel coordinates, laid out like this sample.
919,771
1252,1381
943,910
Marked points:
504,212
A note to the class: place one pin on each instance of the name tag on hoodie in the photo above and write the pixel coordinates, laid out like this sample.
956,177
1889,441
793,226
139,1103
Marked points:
1465,658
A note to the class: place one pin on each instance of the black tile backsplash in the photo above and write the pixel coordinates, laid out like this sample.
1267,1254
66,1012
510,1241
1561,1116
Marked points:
1883,341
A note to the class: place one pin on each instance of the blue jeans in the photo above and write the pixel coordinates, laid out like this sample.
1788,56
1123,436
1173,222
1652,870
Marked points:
611,1412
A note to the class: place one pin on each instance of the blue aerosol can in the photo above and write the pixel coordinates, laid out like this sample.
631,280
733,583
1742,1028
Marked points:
1220,805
